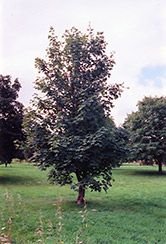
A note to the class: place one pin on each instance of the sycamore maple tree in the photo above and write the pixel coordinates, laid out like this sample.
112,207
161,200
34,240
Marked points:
70,129
11,118
147,131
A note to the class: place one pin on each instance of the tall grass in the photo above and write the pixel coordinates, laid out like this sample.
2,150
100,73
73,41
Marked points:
14,214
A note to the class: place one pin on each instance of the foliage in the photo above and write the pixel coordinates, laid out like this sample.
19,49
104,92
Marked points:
70,128
11,117
147,131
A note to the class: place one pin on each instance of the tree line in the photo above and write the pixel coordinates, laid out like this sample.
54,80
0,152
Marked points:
69,128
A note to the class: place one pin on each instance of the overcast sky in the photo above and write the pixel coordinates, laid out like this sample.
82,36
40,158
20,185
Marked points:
134,29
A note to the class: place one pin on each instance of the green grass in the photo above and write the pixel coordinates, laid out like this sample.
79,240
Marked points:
132,212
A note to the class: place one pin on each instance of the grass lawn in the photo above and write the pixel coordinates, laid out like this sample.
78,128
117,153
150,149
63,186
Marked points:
133,211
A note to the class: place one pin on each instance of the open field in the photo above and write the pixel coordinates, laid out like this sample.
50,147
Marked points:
132,212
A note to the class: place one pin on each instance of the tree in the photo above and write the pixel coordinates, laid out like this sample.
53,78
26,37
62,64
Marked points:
69,128
147,131
11,118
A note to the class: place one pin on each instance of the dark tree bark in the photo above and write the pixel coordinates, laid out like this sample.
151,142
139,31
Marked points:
81,190
160,167
81,196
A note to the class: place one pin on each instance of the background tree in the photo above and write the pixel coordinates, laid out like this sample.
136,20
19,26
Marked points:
11,118
147,131
69,129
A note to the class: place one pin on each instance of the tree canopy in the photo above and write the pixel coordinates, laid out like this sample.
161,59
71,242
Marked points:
147,131
70,127
11,118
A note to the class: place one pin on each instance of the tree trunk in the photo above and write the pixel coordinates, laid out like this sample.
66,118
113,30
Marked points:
160,167
81,196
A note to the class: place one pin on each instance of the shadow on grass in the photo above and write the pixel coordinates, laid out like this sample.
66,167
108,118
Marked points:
139,171
146,173
129,206
17,180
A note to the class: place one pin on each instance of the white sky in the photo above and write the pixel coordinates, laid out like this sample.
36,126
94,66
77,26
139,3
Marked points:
134,29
